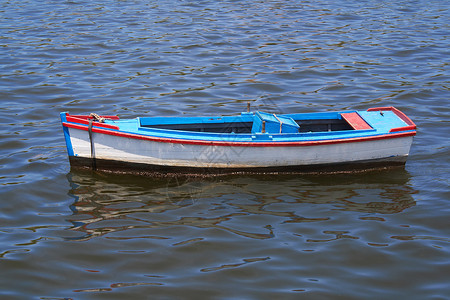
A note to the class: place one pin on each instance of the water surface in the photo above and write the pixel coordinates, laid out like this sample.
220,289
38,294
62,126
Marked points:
79,235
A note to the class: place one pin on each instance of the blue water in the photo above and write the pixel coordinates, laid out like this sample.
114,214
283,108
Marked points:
82,235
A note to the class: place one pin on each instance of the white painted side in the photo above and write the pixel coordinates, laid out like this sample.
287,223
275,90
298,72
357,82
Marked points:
168,154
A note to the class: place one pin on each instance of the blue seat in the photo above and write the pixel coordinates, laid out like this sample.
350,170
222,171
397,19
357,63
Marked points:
273,123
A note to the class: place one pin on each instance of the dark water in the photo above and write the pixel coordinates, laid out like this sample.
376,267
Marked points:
377,235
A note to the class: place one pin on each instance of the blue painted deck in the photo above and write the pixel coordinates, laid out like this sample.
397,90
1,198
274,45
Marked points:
381,124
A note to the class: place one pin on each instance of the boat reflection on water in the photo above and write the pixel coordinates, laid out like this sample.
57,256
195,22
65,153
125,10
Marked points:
249,206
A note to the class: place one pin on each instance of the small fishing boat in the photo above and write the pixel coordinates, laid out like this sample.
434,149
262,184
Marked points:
255,142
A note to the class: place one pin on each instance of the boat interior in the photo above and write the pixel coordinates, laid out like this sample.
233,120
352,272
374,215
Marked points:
258,122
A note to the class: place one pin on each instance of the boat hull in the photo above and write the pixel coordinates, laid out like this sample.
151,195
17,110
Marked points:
119,153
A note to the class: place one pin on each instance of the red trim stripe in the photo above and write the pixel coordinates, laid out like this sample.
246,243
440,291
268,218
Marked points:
405,128
239,144
86,117
80,120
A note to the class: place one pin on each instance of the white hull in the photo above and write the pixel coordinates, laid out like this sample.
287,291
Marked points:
148,152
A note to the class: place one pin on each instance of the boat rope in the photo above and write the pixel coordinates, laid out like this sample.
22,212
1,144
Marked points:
97,118
94,162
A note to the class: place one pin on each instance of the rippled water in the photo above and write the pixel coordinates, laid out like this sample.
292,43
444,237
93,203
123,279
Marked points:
378,235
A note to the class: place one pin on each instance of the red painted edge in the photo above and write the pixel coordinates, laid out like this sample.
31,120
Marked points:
87,117
239,144
355,120
401,115
85,120
405,128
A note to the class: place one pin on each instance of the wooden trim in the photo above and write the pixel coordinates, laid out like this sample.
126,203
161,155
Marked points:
355,120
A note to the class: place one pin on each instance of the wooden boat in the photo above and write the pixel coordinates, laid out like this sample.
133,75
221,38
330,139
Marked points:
256,142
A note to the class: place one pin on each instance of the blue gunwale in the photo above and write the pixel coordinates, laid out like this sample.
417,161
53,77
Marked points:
389,121
251,137
381,125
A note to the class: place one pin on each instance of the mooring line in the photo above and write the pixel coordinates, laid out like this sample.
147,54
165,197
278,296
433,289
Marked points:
94,163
